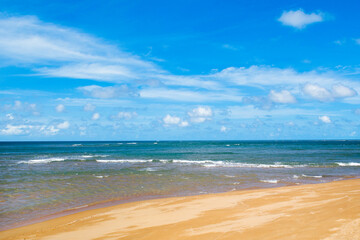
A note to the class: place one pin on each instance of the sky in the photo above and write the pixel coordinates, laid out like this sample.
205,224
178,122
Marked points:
179,70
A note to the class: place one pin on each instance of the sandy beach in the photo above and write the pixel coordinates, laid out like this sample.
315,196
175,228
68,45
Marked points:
314,211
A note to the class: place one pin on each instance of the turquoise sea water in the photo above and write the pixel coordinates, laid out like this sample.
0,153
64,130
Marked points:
42,178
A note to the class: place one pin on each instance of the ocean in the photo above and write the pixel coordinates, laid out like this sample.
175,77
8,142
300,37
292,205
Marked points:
40,179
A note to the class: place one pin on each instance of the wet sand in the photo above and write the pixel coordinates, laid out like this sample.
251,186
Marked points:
317,211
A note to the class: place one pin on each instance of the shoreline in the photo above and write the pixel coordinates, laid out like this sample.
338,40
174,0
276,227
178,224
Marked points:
116,202
150,216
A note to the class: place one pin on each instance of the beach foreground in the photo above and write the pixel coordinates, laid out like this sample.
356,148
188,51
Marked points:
316,211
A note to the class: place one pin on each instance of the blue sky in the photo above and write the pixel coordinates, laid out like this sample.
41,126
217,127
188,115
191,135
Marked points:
179,70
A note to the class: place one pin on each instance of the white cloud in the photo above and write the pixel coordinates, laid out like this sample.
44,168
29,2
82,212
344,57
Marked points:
33,129
325,119
283,96
93,71
60,108
49,130
317,92
10,116
264,76
341,91
15,130
171,120
324,95
200,114
126,115
63,125
189,96
89,107
68,52
223,129
299,19
106,92
95,116
184,124
250,112
357,111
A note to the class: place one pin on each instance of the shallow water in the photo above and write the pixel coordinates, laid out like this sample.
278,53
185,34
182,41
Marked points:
42,178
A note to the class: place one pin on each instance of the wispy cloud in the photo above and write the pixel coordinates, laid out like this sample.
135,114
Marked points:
66,52
107,92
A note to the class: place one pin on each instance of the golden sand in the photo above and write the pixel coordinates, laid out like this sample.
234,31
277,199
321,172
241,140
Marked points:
318,211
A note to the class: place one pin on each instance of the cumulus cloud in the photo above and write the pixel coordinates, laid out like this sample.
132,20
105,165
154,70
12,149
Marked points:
60,108
15,129
95,116
317,92
171,120
299,19
341,91
283,96
200,114
324,95
89,107
107,92
63,125
325,119
184,124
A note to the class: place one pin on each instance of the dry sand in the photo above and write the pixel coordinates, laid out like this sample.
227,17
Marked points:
319,211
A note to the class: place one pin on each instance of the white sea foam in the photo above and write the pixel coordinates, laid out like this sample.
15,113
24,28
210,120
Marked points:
210,163
248,165
101,155
203,163
44,160
76,145
132,143
308,176
229,176
149,169
270,181
350,164
100,176
123,161
87,156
